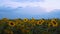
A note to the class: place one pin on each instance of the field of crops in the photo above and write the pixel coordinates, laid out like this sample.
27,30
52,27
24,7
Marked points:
30,26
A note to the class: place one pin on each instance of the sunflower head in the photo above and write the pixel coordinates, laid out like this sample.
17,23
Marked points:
32,20
11,23
5,19
40,22
25,19
54,23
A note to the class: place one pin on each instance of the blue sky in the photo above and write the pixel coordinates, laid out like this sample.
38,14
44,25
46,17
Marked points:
29,8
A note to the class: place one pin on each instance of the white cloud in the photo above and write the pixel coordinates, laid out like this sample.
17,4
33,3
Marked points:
30,8
51,5
48,5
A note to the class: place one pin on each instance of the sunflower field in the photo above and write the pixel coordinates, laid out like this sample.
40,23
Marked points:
30,26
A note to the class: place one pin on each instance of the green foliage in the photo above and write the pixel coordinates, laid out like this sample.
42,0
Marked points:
30,26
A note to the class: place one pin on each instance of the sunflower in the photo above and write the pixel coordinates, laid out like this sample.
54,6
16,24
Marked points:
25,19
54,23
17,20
11,23
5,19
40,22
32,20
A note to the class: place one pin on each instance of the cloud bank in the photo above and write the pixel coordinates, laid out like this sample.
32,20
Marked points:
29,8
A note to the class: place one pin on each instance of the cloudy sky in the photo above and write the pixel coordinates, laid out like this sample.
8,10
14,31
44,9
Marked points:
29,8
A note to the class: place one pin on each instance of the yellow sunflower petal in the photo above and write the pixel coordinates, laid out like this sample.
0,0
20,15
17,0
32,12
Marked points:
25,19
54,23
11,23
40,22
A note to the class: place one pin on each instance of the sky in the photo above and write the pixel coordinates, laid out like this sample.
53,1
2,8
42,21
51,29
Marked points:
29,8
